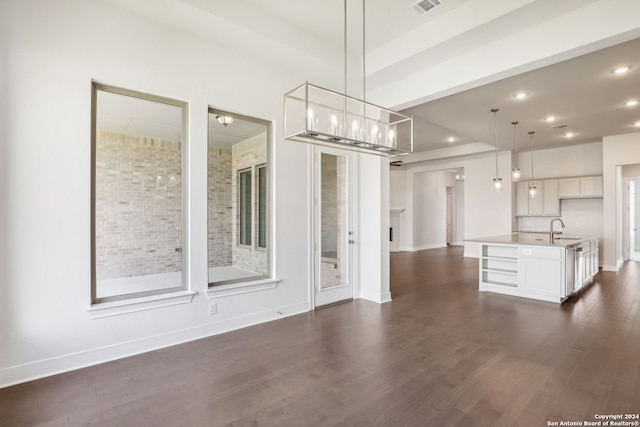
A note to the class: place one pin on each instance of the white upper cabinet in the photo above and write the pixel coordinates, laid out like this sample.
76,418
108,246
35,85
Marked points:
535,202
549,196
568,187
522,198
549,192
580,187
591,186
544,203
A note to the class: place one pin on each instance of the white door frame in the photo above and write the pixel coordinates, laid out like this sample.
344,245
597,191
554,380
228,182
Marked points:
352,214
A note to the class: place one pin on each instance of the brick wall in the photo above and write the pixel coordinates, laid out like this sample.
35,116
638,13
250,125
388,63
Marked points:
138,206
220,207
248,154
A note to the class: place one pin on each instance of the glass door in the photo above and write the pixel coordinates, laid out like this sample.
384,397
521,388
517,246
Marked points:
333,233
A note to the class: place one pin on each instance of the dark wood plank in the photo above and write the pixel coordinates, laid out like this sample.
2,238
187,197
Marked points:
440,353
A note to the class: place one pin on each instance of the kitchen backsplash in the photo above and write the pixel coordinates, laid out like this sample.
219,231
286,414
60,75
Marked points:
534,223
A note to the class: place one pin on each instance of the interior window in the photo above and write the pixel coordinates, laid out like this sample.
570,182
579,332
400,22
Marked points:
238,198
262,206
245,207
137,194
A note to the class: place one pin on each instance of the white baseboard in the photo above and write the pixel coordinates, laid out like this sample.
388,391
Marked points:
432,246
380,299
69,362
609,267
385,297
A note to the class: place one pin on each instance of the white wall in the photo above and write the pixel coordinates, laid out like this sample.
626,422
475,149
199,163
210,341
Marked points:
397,200
617,151
631,171
429,210
397,195
373,216
55,50
582,216
484,212
460,210
5,304
574,160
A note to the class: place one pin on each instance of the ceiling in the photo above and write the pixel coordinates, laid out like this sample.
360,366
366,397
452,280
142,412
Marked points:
135,116
582,93
237,131
449,67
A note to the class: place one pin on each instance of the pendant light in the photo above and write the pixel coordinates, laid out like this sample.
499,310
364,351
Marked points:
515,172
316,115
532,188
497,181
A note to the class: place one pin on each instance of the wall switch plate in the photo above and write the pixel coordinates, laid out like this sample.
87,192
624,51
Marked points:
213,308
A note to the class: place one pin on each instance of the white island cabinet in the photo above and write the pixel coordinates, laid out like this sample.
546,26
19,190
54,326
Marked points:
531,265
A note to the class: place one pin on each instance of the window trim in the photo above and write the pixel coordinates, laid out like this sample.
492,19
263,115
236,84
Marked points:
240,199
135,297
259,223
214,288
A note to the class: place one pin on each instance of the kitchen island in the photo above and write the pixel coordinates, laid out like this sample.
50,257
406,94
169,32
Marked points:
533,265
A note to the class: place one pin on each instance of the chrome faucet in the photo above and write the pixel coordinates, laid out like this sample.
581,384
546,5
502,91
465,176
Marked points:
551,232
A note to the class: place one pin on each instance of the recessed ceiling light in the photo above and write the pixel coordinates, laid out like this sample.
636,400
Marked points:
631,103
521,95
550,119
637,124
621,70
451,139
569,135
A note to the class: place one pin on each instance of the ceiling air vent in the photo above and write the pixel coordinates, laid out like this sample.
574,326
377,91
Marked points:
559,126
425,6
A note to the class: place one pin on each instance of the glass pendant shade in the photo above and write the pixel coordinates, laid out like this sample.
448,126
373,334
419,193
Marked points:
497,181
515,172
225,120
532,188
321,116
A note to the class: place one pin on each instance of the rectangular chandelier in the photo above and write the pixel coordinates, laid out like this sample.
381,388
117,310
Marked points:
316,115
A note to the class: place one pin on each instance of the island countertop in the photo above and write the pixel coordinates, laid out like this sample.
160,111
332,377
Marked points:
536,239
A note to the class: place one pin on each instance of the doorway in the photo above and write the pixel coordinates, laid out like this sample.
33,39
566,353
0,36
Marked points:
633,210
449,216
333,236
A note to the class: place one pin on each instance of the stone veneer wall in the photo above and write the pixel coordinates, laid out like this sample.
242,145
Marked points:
329,205
220,207
251,153
333,224
138,206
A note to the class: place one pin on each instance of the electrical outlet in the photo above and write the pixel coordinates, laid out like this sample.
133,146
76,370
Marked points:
213,308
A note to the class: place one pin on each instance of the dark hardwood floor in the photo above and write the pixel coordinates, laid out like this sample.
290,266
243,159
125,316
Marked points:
440,354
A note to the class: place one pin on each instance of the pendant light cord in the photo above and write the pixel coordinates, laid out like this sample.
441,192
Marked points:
344,113
495,134
531,146
515,141
364,62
